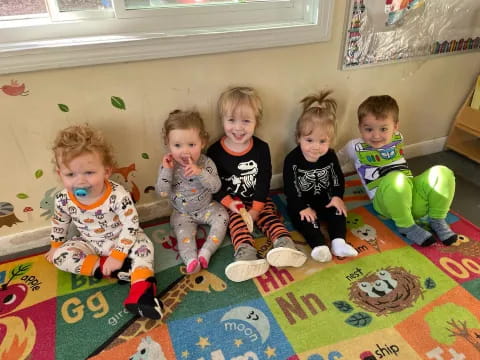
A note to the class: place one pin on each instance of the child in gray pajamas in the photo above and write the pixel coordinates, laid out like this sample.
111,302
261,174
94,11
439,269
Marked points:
189,178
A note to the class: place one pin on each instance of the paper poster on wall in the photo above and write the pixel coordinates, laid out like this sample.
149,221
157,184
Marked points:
381,31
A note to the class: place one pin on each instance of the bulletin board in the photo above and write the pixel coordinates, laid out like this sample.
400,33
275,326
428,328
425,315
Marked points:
382,31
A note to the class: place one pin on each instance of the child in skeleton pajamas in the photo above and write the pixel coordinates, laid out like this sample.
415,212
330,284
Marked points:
313,180
245,168
189,179
111,243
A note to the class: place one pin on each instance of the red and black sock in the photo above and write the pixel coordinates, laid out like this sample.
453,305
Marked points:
142,299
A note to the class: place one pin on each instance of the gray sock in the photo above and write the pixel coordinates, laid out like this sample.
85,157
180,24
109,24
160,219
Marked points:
417,234
443,231
284,241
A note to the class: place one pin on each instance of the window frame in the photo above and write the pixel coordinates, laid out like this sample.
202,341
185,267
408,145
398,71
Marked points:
134,37
56,15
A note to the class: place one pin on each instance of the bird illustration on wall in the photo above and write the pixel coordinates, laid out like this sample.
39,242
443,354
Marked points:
15,89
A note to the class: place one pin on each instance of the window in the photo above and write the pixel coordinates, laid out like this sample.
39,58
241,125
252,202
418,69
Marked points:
41,34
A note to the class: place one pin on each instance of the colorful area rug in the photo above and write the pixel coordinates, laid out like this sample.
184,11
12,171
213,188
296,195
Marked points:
394,301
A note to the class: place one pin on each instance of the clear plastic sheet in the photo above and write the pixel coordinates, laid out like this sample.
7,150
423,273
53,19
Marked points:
380,31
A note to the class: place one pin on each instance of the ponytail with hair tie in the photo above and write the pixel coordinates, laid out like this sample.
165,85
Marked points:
323,102
319,109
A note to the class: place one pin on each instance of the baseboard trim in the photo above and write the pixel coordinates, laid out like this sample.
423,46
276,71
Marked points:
38,238
425,147
25,240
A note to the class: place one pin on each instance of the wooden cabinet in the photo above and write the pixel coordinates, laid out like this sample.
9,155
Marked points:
464,136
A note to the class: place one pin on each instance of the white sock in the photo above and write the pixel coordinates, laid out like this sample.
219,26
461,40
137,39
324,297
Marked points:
342,249
321,253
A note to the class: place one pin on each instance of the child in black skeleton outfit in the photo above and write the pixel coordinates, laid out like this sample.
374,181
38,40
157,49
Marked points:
313,180
245,169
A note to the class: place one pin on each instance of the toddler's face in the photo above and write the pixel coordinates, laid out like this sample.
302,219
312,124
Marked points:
239,125
377,132
185,145
315,144
86,171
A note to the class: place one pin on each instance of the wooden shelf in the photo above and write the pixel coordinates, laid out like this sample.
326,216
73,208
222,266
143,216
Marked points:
464,136
465,143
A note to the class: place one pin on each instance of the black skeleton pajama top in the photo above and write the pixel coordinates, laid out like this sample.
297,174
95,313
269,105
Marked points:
244,175
311,183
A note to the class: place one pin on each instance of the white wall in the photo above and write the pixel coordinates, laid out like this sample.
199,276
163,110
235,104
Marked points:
429,93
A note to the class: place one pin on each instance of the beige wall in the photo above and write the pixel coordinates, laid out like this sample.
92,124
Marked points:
429,93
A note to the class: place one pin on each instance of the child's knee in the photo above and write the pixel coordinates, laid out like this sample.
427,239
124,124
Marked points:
222,216
396,176
59,257
396,182
442,171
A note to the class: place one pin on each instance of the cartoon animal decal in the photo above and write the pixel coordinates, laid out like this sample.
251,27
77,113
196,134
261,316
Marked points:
148,350
361,230
124,176
247,180
48,203
7,216
464,245
15,89
386,291
203,281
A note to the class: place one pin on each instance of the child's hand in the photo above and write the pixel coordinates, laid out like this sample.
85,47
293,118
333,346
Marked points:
167,161
308,215
254,214
191,169
339,205
49,254
111,265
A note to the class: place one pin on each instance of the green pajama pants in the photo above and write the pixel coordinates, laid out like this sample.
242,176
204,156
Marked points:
404,199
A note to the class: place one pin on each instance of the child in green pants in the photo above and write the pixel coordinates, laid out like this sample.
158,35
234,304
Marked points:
395,193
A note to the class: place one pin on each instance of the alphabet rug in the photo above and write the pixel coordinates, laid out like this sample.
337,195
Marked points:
395,300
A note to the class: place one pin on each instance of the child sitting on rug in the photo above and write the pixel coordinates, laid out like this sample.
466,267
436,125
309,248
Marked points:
313,180
395,193
110,238
190,178
244,166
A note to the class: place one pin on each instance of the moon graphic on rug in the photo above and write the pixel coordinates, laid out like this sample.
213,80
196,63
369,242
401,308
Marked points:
256,318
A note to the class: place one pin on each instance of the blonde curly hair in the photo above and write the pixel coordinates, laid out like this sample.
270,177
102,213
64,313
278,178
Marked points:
80,139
